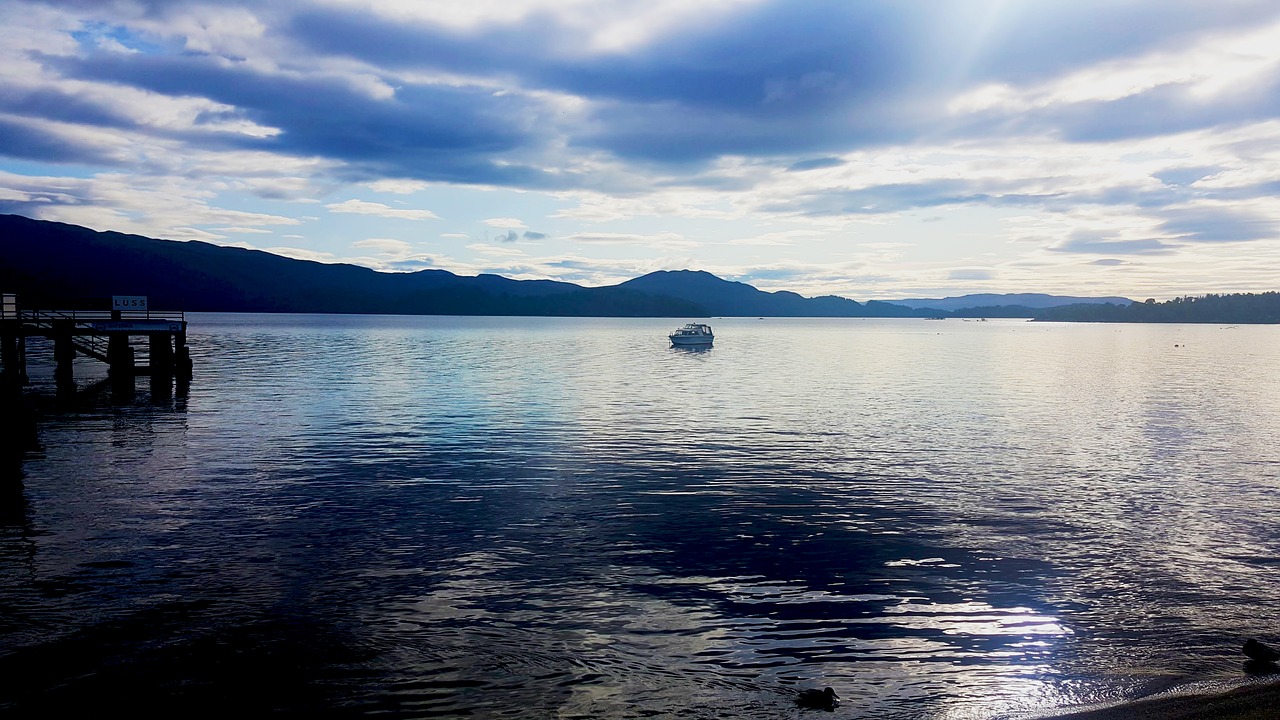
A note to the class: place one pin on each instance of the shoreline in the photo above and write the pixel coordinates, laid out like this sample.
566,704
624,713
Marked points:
1254,700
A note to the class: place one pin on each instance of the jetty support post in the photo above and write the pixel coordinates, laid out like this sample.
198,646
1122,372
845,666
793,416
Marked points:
13,346
64,356
182,357
120,358
12,371
162,367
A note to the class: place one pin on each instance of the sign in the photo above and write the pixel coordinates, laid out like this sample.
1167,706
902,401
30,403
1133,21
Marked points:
137,326
128,302
9,307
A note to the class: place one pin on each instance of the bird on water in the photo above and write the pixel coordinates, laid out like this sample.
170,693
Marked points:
825,699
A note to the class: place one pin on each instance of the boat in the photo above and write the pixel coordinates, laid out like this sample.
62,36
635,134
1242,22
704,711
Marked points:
692,334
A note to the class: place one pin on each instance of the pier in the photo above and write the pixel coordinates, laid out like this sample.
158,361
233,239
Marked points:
107,335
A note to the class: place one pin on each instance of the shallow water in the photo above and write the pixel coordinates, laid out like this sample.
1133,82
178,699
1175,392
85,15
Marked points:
513,517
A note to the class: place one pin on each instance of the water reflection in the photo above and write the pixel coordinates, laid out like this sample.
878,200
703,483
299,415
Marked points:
510,518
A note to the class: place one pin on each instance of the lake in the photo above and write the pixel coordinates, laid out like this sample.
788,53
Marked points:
352,516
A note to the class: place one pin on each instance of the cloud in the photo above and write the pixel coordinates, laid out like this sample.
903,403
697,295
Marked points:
531,235
385,246
1183,176
1219,224
970,274
397,186
413,264
895,197
426,132
363,207
1090,244
496,250
241,230
305,254
662,241
505,223
776,239
48,142
815,164
166,207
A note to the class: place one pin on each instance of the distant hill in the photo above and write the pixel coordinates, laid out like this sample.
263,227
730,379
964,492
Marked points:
1034,301
54,264
735,299
1222,309
49,263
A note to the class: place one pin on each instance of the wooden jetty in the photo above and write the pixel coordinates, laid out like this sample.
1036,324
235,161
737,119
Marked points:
104,334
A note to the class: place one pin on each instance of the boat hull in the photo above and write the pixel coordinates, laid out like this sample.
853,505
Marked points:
690,341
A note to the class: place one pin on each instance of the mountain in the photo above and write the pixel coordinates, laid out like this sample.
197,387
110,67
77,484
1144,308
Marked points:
54,264
1236,308
1035,301
734,299
66,266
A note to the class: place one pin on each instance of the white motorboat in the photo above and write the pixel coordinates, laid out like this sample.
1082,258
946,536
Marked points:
692,334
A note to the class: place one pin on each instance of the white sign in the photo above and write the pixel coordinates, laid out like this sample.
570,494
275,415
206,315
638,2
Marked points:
128,302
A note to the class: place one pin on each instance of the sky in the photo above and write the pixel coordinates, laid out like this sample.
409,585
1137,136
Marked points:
873,149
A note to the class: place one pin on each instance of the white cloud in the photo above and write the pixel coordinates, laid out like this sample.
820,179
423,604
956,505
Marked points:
601,27
306,254
1218,64
663,241
241,230
489,250
363,207
162,207
506,223
386,246
397,186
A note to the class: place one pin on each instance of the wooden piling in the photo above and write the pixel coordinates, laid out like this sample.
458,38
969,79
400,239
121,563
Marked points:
64,355
14,371
182,357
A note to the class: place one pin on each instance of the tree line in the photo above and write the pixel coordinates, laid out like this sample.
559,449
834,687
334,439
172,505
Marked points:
1211,308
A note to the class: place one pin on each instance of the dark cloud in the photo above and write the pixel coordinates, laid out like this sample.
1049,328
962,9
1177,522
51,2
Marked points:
1109,262
508,237
779,79
413,265
1218,225
54,104
1179,177
441,133
795,53
901,196
815,164
19,140
1093,244
531,235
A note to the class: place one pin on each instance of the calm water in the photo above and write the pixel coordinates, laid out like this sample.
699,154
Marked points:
502,517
